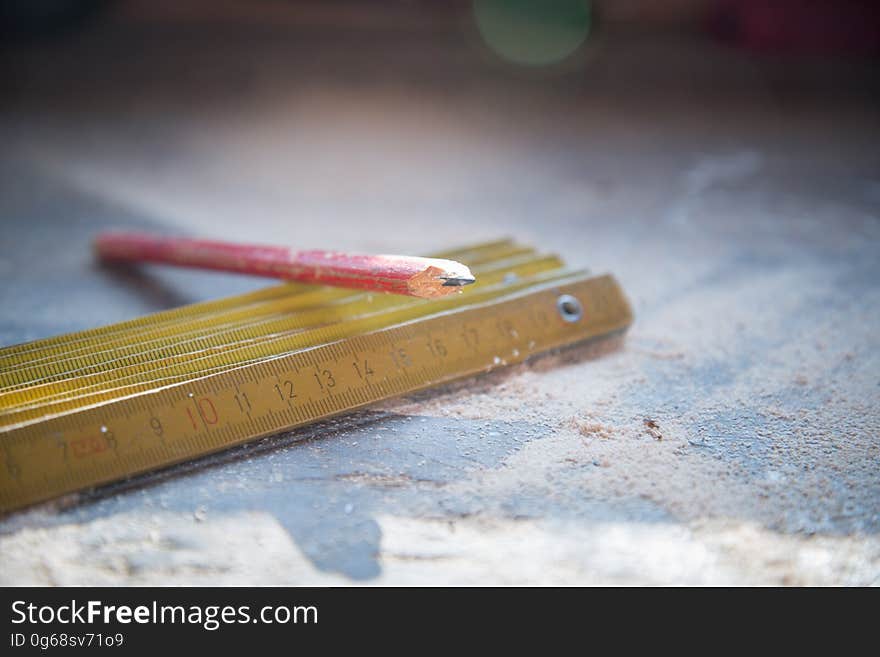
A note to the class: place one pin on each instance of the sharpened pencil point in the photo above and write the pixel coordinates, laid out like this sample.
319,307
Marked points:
457,281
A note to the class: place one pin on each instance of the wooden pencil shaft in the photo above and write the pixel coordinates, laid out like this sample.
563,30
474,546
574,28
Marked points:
409,275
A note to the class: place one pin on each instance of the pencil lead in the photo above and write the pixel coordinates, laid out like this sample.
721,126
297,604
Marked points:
457,281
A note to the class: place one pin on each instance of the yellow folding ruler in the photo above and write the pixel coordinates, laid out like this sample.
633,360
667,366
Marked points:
92,407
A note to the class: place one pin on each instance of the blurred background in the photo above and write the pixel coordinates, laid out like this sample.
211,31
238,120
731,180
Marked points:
413,125
720,157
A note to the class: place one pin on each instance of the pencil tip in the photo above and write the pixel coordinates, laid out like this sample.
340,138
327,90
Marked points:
440,278
457,281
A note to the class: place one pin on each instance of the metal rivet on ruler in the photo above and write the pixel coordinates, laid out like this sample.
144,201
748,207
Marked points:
569,308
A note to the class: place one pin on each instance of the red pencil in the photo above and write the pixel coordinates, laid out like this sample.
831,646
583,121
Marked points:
410,275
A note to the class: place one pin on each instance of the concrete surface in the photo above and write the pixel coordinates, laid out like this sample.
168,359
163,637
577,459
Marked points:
736,198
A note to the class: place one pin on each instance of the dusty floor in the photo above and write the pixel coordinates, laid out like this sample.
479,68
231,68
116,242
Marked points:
737,200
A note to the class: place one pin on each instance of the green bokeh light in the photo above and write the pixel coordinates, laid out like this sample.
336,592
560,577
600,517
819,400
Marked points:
533,32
